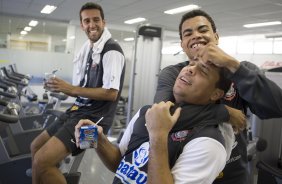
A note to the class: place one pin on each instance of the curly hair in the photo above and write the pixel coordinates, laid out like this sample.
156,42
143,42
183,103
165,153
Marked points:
192,14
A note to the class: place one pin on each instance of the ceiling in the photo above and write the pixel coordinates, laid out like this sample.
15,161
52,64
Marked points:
229,15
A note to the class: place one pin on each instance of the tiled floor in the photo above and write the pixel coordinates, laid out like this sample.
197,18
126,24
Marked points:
91,167
93,170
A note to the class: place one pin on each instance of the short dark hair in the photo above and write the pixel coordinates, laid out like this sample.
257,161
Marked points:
195,13
89,6
223,83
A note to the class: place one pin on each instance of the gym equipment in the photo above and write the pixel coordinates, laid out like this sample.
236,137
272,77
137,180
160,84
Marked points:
144,80
119,122
15,158
269,164
12,164
47,112
14,72
21,82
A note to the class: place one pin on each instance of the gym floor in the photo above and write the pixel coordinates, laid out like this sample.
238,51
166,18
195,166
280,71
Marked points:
93,170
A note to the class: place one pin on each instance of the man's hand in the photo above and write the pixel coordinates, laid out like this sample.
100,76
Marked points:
59,85
212,54
237,119
159,121
81,123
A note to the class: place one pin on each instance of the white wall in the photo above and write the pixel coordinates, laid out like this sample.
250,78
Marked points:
37,63
259,59
264,61
169,59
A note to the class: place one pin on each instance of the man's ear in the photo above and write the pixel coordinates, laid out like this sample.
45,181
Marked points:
217,94
181,44
216,38
81,26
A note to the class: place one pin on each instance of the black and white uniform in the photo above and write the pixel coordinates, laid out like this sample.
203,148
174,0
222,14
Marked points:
104,69
198,147
250,89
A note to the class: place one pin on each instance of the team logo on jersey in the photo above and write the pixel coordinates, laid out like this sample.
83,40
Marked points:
129,172
180,135
141,155
231,93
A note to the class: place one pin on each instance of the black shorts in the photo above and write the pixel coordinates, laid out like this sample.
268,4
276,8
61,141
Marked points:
63,129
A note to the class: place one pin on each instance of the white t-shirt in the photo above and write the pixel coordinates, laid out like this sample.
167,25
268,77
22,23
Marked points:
202,158
112,70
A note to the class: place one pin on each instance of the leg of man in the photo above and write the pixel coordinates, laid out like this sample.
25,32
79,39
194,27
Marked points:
44,166
36,144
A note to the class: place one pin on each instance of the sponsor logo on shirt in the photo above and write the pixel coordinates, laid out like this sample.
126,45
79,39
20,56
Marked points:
180,136
74,108
129,172
233,159
231,93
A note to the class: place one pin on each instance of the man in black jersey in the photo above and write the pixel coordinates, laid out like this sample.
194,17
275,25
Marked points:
166,144
250,88
100,70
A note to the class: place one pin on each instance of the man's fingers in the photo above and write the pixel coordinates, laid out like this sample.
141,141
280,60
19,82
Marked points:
170,104
176,114
77,129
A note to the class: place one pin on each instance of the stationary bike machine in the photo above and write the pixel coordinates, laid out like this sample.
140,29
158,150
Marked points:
12,164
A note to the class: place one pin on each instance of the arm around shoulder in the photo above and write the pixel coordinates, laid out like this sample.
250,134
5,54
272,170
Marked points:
262,95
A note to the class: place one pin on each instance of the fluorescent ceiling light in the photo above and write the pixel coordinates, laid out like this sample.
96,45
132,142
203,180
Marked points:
33,23
262,24
48,9
133,21
27,28
129,39
182,9
23,32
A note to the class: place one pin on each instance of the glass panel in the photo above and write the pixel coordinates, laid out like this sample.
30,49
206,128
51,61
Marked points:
263,46
228,44
45,36
245,45
277,46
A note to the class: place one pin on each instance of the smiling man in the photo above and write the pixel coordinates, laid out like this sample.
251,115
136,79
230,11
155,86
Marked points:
180,142
98,80
250,88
